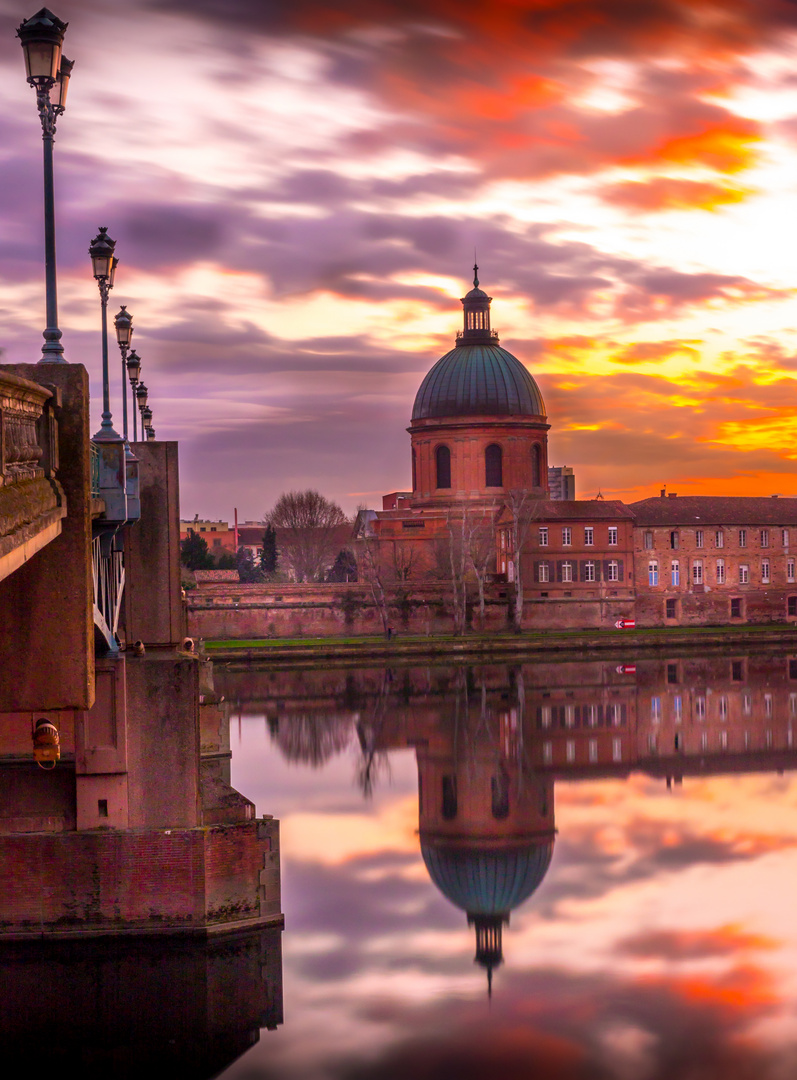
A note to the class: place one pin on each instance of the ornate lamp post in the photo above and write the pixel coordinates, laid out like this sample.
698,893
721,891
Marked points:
146,419
104,266
134,374
123,324
141,398
42,37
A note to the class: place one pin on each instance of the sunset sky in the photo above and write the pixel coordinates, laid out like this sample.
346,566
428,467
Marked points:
297,188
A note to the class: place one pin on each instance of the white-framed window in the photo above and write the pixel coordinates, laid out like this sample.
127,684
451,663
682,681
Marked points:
744,573
765,538
655,710
699,538
648,540
675,571
677,708
765,571
589,571
543,536
617,715
545,716
697,572
612,535
747,704
723,707
593,750
570,750
768,704
567,535
653,573
790,570
617,749
567,571
793,704
570,715
784,537
742,537
590,715
614,571
700,708
719,538
720,571
589,533
723,740
544,572
547,753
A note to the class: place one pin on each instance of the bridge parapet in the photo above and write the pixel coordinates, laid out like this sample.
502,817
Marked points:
32,501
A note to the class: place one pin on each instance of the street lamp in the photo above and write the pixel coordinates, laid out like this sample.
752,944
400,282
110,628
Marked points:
150,433
146,419
42,38
141,398
134,374
123,324
104,267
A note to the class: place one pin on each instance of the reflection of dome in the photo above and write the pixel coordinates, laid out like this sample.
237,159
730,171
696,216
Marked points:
485,880
313,739
479,379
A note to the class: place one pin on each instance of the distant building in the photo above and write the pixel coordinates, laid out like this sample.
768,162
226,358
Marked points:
561,483
218,534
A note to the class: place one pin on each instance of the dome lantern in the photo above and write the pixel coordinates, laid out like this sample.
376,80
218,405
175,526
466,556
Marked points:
476,305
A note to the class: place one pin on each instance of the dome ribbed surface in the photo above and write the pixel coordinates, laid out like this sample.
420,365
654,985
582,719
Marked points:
478,380
484,881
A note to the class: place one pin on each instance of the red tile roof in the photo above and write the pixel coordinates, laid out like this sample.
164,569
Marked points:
715,510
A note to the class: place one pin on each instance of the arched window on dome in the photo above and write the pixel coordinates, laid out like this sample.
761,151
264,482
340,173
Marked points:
536,466
443,461
493,466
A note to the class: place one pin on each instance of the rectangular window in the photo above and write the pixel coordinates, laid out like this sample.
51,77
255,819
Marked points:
589,532
570,750
589,571
648,541
672,674
793,704
544,536
676,573
704,740
742,537
570,715
744,574
768,704
720,571
655,709
719,538
784,537
700,708
612,534
566,537
590,715
567,571
737,670
544,572
723,740
593,750
790,570
653,573
697,572
792,608
671,611
617,749
545,716
677,708
765,571
614,571
723,707
674,540
792,670
617,715
747,704
547,753
736,608
765,538
699,538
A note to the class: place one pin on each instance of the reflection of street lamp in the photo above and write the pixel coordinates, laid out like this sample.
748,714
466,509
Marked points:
134,374
42,37
104,266
123,323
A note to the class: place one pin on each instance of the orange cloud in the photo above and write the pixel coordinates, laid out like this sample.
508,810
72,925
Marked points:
673,945
670,193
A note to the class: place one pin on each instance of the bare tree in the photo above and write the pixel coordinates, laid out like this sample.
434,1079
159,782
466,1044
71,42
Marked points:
307,522
481,552
524,508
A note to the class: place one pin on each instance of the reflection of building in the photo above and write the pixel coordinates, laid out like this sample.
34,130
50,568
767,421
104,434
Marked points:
131,1007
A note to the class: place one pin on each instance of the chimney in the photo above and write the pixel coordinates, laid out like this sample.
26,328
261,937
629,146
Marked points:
673,495
663,492
236,528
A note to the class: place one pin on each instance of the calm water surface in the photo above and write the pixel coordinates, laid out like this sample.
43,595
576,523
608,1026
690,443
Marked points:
612,846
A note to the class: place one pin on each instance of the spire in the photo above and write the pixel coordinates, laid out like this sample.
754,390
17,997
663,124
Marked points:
475,275
489,951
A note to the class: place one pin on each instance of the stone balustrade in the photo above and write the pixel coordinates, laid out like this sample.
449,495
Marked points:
32,501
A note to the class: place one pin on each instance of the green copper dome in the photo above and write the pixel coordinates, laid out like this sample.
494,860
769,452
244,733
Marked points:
478,379
484,881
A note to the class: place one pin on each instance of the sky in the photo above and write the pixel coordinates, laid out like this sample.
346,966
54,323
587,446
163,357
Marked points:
297,189
661,942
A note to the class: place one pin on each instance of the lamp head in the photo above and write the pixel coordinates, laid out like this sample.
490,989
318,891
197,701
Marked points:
141,396
123,322
101,252
42,36
134,367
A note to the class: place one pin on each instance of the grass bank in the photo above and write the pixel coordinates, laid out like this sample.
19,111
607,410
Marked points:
578,643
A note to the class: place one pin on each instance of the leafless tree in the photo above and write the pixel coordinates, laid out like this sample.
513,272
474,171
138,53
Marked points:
307,521
524,508
480,551
373,575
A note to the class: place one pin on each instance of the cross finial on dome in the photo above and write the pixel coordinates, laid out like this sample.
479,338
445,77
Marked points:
476,275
